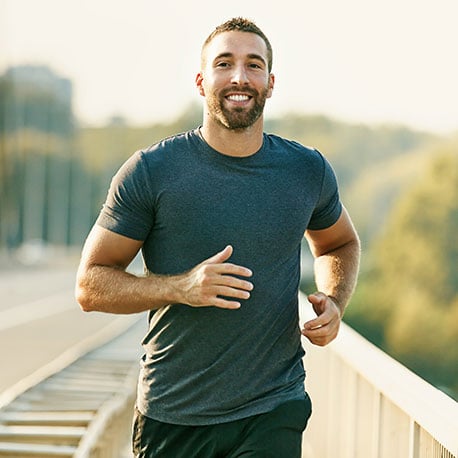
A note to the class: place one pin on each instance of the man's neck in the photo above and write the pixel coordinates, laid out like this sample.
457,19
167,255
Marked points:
237,143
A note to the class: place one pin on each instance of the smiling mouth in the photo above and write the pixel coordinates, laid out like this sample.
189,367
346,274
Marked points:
238,97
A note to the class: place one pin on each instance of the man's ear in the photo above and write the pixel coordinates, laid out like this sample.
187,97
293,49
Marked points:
271,85
199,84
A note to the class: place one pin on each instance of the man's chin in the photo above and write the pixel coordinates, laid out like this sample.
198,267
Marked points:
240,122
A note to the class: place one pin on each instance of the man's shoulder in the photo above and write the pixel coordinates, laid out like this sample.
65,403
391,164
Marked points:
160,156
171,143
294,148
165,152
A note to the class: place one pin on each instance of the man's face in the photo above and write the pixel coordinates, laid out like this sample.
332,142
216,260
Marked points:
235,79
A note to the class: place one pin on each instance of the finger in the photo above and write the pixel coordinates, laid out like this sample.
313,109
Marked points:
320,336
318,301
318,331
232,292
313,324
313,337
314,329
316,298
221,256
226,304
227,269
320,341
226,275
322,320
234,282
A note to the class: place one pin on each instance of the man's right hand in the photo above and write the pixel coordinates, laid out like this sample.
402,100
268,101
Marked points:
103,285
213,281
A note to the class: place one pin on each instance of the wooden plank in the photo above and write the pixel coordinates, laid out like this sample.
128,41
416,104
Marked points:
46,418
12,449
64,435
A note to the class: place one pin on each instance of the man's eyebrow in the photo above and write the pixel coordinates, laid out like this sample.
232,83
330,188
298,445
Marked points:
255,56
223,55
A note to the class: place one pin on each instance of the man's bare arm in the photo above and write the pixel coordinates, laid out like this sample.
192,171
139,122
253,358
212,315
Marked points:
337,253
104,285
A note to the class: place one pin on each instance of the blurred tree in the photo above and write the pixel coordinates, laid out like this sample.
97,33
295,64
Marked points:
371,196
412,289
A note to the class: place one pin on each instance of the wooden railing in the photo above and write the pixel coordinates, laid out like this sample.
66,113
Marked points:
368,405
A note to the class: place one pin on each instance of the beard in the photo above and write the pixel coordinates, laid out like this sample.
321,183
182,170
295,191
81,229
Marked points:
237,118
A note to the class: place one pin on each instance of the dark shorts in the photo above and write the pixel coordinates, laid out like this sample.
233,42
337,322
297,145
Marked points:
276,434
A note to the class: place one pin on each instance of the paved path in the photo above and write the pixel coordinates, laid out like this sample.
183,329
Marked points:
39,319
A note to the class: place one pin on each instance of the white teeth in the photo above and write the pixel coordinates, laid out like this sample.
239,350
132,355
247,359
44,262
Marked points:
238,98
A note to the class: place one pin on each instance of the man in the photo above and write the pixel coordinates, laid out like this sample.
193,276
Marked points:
219,213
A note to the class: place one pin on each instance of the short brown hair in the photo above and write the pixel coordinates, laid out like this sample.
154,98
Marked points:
240,24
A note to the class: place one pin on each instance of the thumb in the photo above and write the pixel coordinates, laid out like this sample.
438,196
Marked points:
317,300
220,257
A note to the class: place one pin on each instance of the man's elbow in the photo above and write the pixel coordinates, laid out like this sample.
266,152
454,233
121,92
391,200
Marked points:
356,243
84,298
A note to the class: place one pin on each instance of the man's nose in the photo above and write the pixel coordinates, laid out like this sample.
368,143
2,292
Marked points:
239,75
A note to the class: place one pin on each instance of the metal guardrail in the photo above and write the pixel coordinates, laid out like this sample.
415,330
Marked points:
80,405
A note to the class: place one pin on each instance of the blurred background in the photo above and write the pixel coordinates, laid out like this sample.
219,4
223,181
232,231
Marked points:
370,83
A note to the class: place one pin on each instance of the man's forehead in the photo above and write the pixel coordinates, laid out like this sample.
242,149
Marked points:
235,42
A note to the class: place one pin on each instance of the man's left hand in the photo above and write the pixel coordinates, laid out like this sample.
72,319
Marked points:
324,328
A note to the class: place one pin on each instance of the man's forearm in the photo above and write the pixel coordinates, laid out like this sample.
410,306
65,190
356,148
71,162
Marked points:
213,282
336,273
112,290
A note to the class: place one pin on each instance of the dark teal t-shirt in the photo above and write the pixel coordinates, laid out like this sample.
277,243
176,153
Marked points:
187,202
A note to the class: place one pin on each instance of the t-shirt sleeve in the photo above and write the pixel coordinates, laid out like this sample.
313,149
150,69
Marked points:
129,207
329,206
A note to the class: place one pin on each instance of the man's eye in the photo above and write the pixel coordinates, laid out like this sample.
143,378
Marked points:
222,64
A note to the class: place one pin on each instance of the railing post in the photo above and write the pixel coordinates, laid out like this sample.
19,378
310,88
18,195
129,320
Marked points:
414,439
376,416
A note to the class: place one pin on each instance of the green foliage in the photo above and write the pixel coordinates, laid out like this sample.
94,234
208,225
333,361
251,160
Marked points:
412,287
372,195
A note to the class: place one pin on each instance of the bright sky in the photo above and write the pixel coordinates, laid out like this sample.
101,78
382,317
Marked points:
357,60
